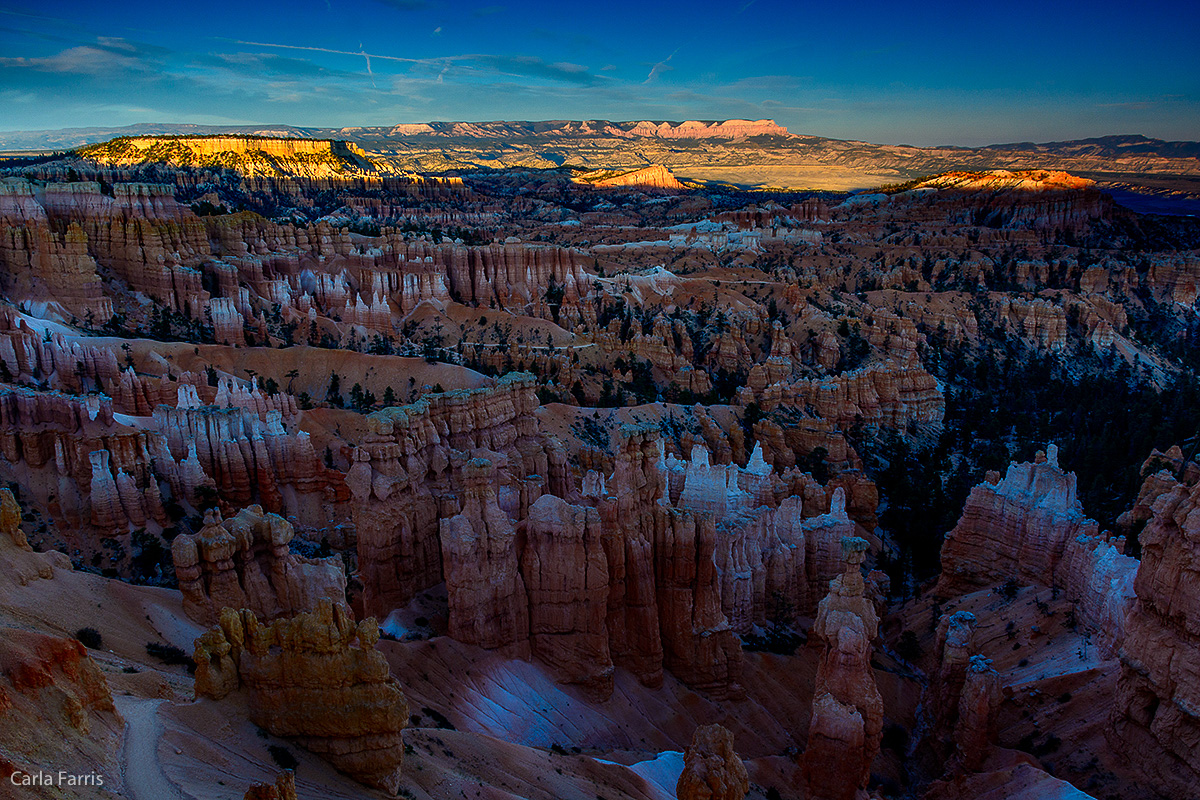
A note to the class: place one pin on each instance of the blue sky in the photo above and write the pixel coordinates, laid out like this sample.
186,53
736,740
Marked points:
931,73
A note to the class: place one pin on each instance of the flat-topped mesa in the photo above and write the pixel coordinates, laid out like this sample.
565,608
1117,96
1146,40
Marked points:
250,155
244,562
712,769
847,722
1156,713
1030,527
316,679
1025,199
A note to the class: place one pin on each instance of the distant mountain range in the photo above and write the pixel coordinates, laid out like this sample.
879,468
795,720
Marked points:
749,153
69,138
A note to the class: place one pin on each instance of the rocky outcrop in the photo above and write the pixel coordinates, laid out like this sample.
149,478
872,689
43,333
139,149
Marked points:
1037,199
977,705
1030,527
699,647
847,722
894,394
1156,712
245,562
1007,180
664,604
52,697
1160,472
247,457
18,561
711,768
42,265
249,155
316,679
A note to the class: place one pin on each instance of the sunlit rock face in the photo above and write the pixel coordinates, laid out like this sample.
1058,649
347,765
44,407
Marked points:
655,176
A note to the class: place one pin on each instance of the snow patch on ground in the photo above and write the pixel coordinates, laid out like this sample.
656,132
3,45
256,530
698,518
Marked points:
661,773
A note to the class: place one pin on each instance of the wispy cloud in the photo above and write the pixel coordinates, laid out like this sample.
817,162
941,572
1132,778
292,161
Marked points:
84,60
516,66
660,67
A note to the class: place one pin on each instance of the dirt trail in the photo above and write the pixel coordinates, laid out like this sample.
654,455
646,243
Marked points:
144,778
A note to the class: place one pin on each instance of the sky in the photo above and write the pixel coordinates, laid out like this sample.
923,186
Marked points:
964,73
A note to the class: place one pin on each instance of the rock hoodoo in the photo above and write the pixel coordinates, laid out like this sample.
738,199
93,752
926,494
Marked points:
711,768
847,721
244,562
316,679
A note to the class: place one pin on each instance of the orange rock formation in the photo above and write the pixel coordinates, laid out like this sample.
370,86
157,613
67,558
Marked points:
316,679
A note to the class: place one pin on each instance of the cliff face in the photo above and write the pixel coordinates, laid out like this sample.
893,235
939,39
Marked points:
316,679
1157,708
729,129
56,710
892,394
488,603
567,576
